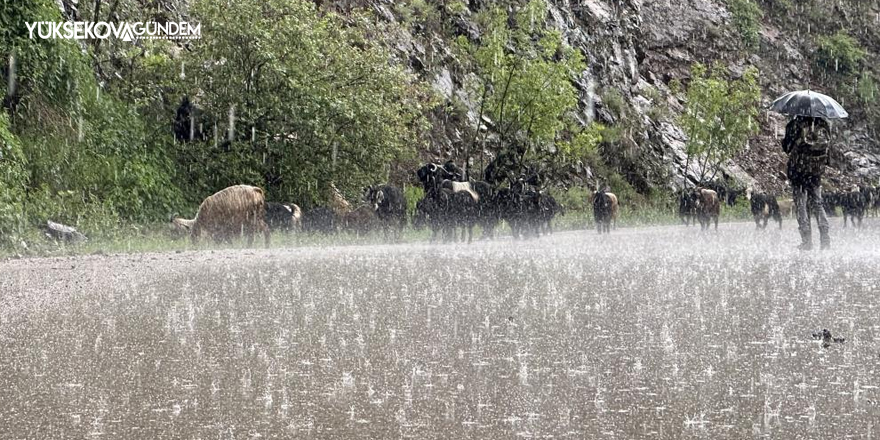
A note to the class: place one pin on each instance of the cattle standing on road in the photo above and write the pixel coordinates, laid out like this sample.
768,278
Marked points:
228,213
786,207
707,206
283,217
763,207
442,210
686,210
605,210
390,206
853,204
445,211
549,209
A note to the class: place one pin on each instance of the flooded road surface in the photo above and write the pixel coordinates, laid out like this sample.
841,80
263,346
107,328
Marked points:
647,333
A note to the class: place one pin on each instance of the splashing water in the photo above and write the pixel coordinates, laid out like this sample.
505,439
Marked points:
10,85
230,135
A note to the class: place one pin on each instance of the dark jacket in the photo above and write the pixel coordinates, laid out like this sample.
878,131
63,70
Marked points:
807,142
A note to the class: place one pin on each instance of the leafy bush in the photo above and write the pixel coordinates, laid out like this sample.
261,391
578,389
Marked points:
867,88
12,185
720,115
839,53
583,147
524,83
747,19
613,101
87,158
314,100
412,194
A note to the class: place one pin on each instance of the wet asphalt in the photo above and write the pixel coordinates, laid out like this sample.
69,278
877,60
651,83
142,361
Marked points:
660,332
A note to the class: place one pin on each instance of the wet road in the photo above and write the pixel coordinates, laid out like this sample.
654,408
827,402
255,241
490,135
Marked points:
647,333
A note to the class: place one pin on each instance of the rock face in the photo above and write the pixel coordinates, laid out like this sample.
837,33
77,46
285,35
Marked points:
63,232
638,47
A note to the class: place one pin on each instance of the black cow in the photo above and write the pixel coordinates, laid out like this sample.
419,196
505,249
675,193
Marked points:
432,175
523,208
390,206
456,171
605,210
515,208
487,212
282,217
853,204
830,201
549,209
874,206
445,211
687,211
449,176
732,195
870,196
763,207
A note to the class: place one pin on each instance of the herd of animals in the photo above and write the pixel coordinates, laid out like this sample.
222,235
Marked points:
703,204
453,205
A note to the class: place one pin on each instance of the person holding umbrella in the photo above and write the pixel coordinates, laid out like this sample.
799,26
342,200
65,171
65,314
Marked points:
807,142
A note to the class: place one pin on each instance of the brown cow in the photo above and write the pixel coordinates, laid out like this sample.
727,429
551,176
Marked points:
233,211
786,207
707,207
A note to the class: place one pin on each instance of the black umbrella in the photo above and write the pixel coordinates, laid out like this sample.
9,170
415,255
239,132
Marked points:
808,103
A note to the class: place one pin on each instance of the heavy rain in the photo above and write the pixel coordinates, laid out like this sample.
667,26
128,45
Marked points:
659,332
439,219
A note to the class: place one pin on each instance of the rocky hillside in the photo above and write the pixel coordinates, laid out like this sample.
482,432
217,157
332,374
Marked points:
636,52
636,49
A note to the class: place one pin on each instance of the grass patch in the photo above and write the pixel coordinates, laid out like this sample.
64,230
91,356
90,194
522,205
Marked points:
161,238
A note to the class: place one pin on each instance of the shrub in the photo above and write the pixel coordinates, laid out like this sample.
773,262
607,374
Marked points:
412,194
12,180
747,19
867,88
613,101
720,116
839,53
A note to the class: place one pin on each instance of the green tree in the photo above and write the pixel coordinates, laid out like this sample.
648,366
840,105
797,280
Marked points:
720,116
300,99
525,78
90,158
12,185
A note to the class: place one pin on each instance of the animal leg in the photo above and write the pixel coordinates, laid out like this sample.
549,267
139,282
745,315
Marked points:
194,234
248,231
